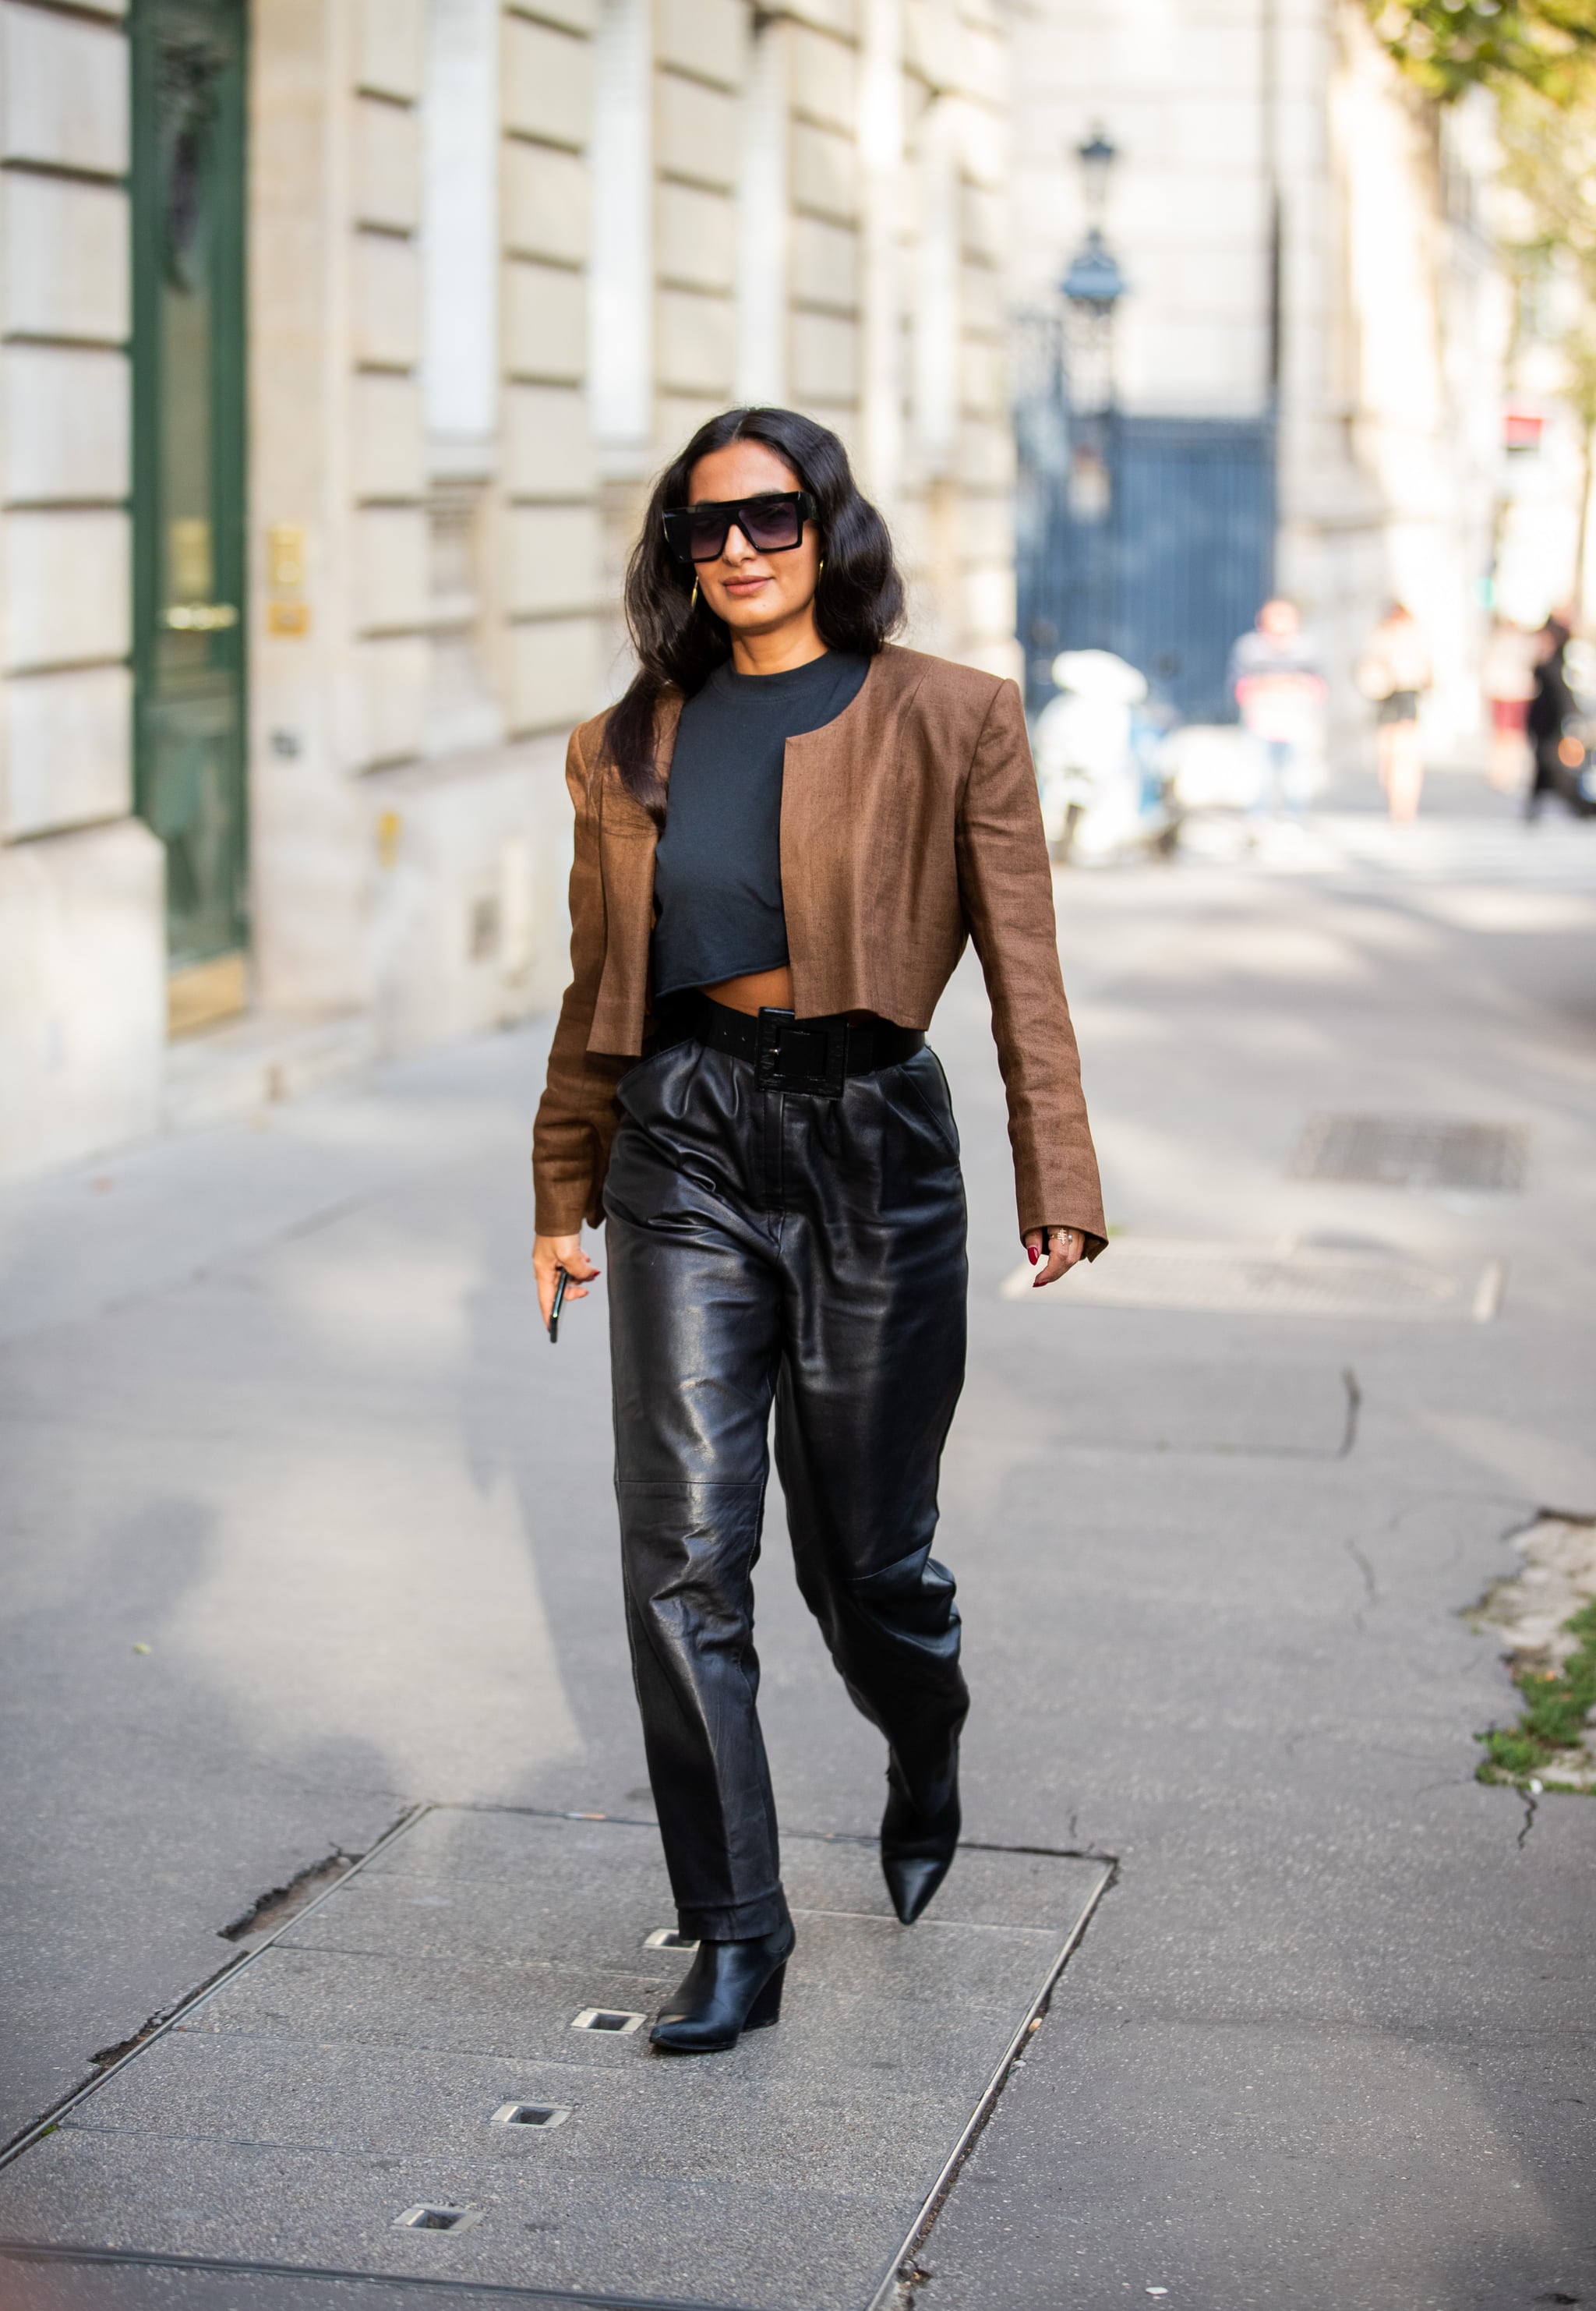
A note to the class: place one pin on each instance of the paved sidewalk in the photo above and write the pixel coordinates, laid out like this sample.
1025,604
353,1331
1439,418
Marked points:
276,1409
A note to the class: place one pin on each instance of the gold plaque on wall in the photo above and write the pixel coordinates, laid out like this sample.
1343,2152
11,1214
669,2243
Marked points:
285,556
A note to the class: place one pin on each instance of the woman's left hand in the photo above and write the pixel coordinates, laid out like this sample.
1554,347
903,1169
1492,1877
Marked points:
1053,1252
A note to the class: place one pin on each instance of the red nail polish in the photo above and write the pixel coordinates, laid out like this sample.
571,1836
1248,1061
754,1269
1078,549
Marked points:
1033,1253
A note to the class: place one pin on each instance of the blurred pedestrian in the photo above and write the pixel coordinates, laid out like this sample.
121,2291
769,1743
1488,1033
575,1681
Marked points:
784,1211
1559,751
1277,680
1509,686
1394,672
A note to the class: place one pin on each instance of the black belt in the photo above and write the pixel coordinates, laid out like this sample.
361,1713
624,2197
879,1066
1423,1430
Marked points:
789,1054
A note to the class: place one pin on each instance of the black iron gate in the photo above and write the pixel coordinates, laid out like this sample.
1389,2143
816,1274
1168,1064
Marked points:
1150,536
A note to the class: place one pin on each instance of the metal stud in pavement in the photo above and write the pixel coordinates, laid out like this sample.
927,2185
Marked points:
607,2018
531,2114
437,2218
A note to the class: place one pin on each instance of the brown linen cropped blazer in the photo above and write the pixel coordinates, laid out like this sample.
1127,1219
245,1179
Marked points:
908,824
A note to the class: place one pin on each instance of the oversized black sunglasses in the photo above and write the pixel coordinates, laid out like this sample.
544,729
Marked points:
772,524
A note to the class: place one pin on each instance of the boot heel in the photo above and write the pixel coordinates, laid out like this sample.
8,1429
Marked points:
767,2007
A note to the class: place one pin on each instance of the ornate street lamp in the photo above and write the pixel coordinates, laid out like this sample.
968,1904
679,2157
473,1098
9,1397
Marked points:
1097,156
1093,283
1064,427
1092,288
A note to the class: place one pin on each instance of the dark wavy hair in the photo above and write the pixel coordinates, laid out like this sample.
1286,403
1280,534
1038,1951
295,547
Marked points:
859,605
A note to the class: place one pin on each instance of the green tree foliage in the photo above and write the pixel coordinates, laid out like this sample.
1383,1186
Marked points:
1450,45
1538,58
1548,232
1548,168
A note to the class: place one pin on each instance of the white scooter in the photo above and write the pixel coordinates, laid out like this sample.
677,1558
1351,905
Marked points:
1099,761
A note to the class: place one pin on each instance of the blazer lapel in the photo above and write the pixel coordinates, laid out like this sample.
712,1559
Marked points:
627,841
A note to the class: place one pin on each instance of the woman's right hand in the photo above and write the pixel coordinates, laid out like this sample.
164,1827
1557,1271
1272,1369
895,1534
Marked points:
550,1253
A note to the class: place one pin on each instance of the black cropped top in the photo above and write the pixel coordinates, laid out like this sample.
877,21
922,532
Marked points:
718,909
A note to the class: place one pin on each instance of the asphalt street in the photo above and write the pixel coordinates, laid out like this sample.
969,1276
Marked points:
306,1523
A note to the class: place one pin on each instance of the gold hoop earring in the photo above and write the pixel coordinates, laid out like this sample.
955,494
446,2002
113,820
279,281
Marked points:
693,604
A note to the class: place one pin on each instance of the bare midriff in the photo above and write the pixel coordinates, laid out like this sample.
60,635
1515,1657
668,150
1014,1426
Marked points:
755,991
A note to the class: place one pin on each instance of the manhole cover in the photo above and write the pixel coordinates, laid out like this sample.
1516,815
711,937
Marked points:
1420,1151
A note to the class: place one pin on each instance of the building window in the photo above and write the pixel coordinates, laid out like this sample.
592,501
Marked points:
622,278
460,364
460,225
763,208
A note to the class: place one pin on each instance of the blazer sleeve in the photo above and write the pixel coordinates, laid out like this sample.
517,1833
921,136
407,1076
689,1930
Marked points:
1006,888
576,1116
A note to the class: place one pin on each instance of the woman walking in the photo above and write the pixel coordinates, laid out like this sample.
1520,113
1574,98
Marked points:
1394,674
785,831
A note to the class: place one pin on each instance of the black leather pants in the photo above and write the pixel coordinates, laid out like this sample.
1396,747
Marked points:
765,1244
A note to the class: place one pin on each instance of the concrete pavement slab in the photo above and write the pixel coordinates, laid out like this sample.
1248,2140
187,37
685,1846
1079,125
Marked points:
622,2235
353,2068
737,2122
1238,2166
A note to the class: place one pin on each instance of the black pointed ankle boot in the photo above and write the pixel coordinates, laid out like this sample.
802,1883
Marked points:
729,1987
919,1839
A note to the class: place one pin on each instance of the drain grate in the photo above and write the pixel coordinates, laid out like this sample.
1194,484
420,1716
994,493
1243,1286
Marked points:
1421,1151
608,2019
667,1938
437,2218
531,2114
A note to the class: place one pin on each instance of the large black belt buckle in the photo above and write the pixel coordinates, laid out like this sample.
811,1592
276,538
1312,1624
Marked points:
801,1055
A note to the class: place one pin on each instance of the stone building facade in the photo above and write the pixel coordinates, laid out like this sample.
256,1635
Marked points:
339,339
1305,250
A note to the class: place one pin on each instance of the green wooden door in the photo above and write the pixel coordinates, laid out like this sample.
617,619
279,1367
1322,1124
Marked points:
190,483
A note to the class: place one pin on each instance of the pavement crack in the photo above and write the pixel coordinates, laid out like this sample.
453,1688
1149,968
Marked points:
109,2059
1370,1583
109,2056
1354,1400
279,1904
911,2280
1531,1801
